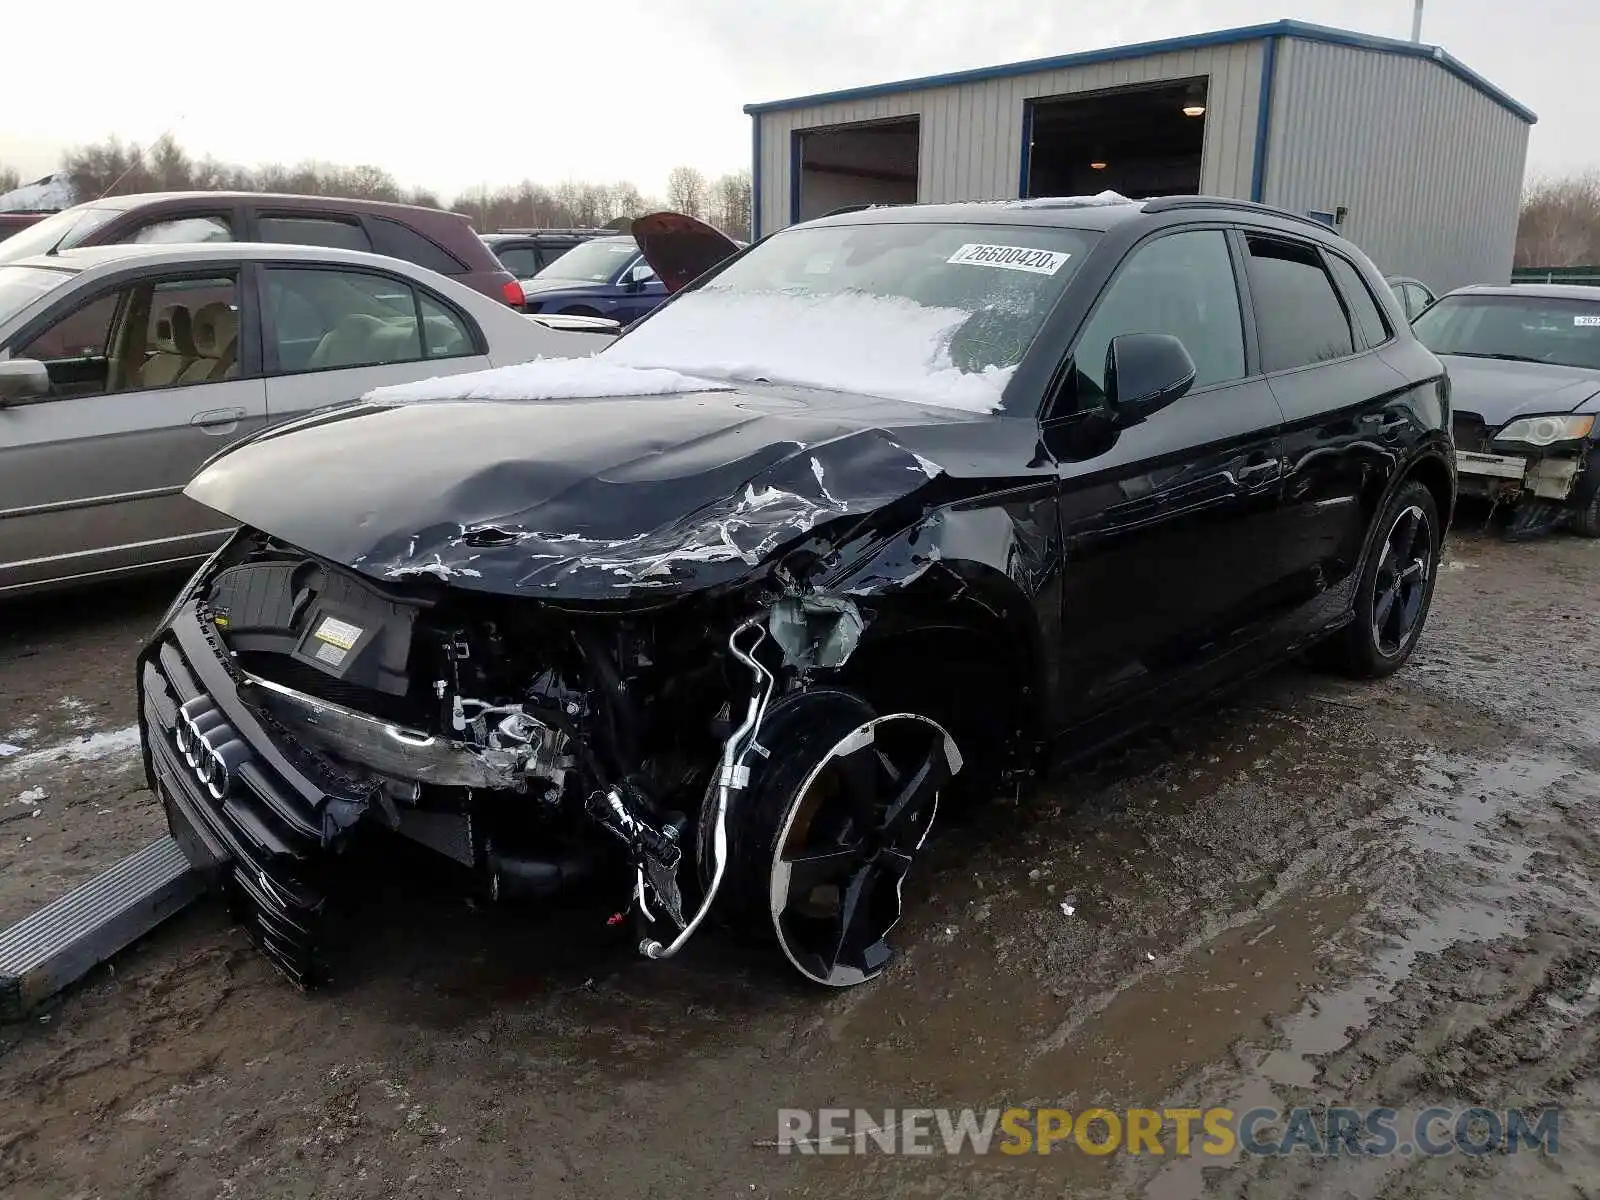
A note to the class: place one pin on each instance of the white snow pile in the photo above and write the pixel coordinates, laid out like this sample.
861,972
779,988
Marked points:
42,195
1098,200
850,342
546,379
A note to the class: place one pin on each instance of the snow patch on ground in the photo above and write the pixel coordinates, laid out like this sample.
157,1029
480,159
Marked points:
849,342
547,379
93,747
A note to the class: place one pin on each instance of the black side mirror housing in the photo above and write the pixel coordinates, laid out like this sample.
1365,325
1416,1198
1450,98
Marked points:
1145,372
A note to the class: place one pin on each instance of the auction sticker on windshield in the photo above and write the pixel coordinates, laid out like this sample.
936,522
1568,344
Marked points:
1585,320
1011,258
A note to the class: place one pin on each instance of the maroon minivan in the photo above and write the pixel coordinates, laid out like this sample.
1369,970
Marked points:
440,241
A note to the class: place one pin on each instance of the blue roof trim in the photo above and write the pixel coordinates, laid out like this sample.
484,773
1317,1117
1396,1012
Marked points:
1225,37
1269,72
755,179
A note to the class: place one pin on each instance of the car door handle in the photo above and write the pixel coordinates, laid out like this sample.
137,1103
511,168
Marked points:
217,416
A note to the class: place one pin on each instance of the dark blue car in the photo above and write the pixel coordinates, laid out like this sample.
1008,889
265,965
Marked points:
604,277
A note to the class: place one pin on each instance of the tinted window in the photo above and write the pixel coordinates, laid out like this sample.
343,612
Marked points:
197,228
327,319
445,334
1297,311
1363,307
399,240
151,334
1182,284
1518,328
314,231
521,261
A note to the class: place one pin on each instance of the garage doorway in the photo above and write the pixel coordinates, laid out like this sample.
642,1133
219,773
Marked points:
844,165
1142,141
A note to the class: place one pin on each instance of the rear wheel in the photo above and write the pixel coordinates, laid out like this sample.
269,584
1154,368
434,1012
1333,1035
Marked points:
824,838
1395,590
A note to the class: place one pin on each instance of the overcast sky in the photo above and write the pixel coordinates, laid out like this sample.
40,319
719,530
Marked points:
489,91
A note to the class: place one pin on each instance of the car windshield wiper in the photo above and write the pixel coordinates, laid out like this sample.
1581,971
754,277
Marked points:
1501,357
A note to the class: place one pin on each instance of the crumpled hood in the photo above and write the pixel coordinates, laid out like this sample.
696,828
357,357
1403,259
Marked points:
571,499
1499,391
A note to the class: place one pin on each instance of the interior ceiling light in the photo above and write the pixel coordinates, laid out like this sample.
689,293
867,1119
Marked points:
1194,102
1194,110
1097,166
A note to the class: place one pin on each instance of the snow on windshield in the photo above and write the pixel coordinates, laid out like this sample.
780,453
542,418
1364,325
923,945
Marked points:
877,345
546,379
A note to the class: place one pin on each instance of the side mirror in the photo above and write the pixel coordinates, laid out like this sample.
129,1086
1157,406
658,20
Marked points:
638,275
21,380
1145,372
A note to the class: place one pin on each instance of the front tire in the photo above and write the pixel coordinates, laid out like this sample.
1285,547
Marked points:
822,841
1395,591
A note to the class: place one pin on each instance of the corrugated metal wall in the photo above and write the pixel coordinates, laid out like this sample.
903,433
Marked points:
971,139
1429,168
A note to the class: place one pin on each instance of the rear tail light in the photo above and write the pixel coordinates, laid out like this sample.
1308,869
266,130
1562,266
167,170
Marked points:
512,290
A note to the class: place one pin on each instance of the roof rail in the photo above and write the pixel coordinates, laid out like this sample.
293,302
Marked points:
596,229
1159,204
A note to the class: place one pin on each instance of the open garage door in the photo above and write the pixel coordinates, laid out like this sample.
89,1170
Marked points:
844,165
1142,142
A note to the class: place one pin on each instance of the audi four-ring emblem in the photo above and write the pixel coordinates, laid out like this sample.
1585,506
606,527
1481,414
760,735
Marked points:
209,745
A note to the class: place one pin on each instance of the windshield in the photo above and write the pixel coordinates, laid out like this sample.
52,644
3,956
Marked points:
591,262
61,232
21,286
1519,328
932,313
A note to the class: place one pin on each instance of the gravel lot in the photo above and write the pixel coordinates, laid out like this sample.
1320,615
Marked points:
1314,893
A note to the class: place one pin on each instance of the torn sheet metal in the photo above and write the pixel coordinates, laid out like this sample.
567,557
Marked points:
815,631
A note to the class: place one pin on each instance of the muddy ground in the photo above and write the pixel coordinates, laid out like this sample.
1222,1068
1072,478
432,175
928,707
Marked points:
1316,893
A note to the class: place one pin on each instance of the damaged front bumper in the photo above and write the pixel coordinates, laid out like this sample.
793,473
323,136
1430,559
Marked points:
1513,477
247,809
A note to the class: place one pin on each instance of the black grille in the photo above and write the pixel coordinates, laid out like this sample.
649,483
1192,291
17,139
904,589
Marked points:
1471,433
262,825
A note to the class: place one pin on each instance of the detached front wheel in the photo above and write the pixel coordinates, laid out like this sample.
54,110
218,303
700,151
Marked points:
823,840
1395,591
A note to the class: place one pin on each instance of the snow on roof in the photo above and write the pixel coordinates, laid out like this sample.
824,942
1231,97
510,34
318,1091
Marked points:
49,194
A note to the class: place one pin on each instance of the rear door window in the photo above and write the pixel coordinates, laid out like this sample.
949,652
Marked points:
1298,312
326,319
399,240
341,233
1364,309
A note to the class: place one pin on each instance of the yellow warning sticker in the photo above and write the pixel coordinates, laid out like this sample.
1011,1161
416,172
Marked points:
337,633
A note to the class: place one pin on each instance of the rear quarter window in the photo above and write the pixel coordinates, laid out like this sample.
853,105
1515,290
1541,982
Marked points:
399,240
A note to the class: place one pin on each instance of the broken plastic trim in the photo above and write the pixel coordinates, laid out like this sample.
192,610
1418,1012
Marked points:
732,774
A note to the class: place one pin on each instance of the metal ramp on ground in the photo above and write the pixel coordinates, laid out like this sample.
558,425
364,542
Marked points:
67,938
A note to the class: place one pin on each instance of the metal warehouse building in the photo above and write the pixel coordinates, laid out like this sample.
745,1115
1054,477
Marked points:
1404,150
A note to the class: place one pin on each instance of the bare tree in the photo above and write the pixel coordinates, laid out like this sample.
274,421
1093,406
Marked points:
1560,223
686,191
730,205
10,179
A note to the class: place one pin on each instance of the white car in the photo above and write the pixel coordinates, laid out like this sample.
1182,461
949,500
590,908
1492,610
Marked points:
124,368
